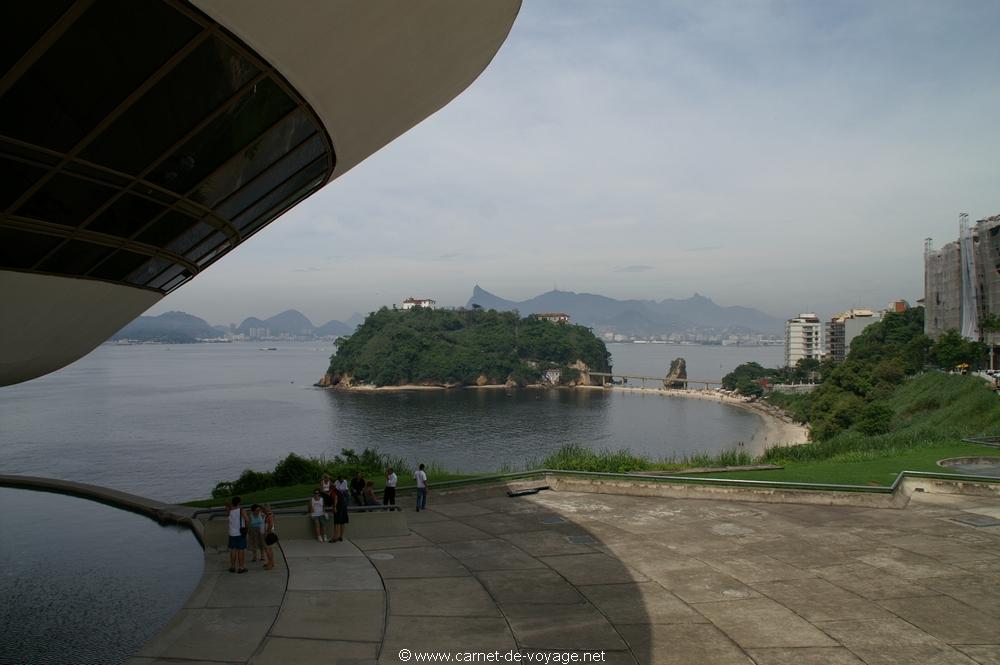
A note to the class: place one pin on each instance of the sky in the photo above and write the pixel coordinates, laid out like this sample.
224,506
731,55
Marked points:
788,156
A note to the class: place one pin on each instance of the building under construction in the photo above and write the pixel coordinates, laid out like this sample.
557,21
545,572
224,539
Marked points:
962,282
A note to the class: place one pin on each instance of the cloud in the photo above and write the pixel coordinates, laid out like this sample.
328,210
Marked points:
639,268
783,155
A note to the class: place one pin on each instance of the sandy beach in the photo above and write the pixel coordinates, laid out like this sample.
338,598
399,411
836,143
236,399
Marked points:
776,429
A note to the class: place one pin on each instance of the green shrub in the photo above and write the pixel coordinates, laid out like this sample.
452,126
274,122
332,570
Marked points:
876,418
295,470
298,470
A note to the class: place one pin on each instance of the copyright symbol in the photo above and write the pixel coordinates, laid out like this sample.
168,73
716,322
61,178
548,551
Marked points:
405,655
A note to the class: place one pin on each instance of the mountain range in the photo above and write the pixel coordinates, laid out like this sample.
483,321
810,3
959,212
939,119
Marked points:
177,327
639,317
172,327
295,323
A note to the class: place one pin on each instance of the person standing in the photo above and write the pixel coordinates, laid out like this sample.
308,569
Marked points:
256,533
238,521
389,496
340,517
317,512
421,478
269,537
326,489
341,486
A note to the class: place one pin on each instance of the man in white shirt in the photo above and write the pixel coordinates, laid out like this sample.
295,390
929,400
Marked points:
389,495
421,478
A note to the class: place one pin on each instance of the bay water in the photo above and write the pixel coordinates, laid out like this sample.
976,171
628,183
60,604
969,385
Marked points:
169,421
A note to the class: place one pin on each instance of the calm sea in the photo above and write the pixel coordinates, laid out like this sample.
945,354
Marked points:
169,422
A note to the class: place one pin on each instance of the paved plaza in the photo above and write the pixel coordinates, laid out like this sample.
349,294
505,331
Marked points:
644,579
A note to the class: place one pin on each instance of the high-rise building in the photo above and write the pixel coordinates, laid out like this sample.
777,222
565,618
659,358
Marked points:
962,280
844,327
803,338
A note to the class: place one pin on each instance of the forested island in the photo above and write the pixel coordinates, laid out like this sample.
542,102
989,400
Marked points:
466,347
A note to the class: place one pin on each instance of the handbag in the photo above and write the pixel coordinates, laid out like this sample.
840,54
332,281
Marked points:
271,538
243,527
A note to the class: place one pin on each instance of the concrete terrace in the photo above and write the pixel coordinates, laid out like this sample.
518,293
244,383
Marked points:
645,579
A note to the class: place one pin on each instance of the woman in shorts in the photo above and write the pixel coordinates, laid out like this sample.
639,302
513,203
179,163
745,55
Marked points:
318,515
268,531
256,533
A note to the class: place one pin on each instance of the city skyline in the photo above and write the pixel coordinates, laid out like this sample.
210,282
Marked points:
790,158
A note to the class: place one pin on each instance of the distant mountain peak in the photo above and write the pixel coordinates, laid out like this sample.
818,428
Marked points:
636,317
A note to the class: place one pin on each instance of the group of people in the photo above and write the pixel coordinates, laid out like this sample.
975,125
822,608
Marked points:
334,496
257,527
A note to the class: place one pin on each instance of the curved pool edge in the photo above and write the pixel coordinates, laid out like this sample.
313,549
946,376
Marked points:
158,511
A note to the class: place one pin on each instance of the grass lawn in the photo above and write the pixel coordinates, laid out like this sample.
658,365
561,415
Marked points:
876,470
305,491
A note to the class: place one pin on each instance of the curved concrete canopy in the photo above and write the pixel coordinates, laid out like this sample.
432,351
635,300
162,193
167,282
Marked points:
52,321
371,70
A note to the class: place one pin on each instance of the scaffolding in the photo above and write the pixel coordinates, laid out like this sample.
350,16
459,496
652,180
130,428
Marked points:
962,283
942,289
970,301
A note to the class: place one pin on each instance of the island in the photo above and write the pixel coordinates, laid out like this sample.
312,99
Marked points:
448,348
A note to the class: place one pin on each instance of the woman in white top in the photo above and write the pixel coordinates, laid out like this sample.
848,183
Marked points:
389,495
317,512
341,488
326,489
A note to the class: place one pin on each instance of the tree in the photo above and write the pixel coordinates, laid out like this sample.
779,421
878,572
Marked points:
876,418
989,323
952,350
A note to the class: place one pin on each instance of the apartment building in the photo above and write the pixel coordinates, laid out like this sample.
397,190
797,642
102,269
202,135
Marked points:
844,327
962,280
803,338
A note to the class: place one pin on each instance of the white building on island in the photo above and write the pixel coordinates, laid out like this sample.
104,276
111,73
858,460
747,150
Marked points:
410,303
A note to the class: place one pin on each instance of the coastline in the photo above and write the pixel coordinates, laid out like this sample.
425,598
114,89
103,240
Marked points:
776,428
408,387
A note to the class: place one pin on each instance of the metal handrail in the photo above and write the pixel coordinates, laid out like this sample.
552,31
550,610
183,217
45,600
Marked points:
993,441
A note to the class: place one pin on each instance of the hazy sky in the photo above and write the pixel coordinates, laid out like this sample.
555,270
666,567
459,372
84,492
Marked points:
789,156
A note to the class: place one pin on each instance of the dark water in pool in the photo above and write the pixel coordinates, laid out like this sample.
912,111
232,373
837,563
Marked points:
983,466
81,582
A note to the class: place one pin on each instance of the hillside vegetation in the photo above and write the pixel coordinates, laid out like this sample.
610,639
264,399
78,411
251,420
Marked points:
855,395
464,347
931,409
